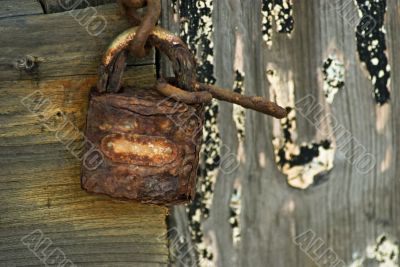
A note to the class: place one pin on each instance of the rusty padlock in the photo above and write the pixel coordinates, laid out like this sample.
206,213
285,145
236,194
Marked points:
149,143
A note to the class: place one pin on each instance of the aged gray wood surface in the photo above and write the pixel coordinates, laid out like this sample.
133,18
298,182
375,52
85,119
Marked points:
54,6
40,191
71,47
18,8
348,210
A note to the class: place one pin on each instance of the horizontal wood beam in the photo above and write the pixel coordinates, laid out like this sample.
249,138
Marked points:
12,8
61,44
55,6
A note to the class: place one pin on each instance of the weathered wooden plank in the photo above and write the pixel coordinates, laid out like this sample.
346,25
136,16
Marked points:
56,45
39,176
55,6
70,94
40,185
347,210
10,8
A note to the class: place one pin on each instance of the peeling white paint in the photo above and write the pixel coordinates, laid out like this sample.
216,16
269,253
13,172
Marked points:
239,116
357,263
384,253
371,46
334,77
200,41
303,176
279,12
236,207
267,19
283,12
239,113
301,170
208,247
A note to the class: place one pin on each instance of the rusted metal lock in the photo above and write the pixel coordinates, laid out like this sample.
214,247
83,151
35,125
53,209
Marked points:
149,143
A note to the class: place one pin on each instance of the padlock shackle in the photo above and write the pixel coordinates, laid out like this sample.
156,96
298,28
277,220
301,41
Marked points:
184,67
183,61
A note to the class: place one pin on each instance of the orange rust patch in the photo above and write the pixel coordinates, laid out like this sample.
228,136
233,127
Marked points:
139,149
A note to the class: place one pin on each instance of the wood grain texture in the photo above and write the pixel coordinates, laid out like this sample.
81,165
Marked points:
349,210
10,8
39,176
40,184
56,6
60,44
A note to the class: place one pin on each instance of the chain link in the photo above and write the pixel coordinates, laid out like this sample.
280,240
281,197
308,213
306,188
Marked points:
184,87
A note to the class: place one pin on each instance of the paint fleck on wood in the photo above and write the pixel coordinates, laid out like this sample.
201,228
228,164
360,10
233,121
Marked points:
302,163
371,46
283,13
197,30
267,20
349,206
279,12
334,73
384,253
235,210
239,113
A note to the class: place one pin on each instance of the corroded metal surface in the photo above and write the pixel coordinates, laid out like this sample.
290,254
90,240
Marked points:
137,46
138,149
150,146
184,66
182,60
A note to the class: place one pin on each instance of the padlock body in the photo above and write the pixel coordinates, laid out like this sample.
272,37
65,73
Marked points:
147,147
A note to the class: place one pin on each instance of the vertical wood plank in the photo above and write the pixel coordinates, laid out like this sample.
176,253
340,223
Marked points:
347,209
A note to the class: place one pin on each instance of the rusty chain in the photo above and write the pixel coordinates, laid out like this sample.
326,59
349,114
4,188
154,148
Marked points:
146,24
139,40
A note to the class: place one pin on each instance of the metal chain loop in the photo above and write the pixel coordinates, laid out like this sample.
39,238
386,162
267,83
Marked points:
146,24
184,87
